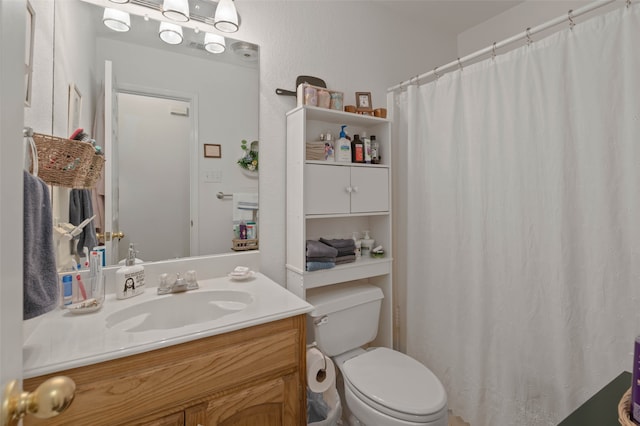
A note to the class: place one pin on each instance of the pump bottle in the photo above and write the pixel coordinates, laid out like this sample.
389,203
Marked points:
343,147
130,278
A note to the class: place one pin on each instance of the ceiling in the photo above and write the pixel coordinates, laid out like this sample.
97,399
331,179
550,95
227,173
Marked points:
450,16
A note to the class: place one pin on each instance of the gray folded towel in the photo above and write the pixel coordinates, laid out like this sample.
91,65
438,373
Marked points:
321,259
80,209
40,278
318,249
339,242
345,259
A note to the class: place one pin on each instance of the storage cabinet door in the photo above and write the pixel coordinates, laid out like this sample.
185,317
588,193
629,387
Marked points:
370,189
326,189
271,403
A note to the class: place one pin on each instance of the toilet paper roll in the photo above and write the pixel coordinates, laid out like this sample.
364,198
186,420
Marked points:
321,373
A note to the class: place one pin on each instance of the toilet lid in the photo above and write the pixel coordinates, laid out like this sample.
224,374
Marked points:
396,381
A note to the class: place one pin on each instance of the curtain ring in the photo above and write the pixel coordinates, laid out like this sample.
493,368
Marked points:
493,51
436,73
571,23
628,3
529,40
460,65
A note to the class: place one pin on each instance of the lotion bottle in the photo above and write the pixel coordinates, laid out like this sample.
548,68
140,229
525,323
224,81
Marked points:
130,278
367,244
343,147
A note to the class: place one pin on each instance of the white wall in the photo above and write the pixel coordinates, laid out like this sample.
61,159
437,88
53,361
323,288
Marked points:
353,46
517,19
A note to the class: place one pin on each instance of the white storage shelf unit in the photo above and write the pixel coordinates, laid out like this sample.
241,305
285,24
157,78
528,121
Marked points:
332,200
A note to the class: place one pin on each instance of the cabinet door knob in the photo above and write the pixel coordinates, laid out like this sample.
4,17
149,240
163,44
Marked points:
349,189
355,189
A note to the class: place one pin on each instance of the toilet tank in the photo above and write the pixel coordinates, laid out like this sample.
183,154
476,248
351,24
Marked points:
345,316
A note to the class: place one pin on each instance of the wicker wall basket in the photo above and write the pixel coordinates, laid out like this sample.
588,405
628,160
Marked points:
624,415
67,163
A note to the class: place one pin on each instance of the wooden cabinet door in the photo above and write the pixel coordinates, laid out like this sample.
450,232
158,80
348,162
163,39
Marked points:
326,189
271,403
176,419
370,189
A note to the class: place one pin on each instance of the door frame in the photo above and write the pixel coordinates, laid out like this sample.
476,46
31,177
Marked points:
194,181
12,52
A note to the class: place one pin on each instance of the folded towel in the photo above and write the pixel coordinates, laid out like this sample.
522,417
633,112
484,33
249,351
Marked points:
345,259
40,278
316,266
346,251
321,259
318,249
244,206
339,242
80,209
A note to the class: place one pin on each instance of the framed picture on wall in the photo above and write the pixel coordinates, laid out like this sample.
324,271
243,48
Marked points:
75,107
212,150
28,53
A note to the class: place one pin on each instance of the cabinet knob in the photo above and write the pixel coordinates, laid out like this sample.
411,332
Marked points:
349,189
355,189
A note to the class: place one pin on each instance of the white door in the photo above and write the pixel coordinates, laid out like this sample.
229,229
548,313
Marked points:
111,188
12,36
154,173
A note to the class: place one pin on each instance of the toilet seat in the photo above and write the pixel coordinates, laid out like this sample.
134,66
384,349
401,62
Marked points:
395,384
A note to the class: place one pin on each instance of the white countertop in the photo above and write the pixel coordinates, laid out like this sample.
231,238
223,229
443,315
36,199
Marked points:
60,340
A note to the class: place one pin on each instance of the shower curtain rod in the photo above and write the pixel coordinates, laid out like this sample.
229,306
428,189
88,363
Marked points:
526,34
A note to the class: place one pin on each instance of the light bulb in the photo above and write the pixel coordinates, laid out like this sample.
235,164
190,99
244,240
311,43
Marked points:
117,20
226,17
214,43
170,33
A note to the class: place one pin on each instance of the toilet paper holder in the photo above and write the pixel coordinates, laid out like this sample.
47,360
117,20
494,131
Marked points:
322,373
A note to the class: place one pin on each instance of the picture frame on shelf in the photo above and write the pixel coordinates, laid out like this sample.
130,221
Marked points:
363,100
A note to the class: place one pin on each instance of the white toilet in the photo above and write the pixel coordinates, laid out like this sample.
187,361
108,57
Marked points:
382,387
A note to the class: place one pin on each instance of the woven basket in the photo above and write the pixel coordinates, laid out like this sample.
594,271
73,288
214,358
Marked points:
241,245
67,163
624,415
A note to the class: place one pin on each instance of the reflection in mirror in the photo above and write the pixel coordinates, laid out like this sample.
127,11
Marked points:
153,107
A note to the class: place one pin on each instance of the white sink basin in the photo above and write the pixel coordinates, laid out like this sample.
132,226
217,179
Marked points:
179,310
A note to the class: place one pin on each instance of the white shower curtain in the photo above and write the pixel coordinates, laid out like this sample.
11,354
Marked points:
523,241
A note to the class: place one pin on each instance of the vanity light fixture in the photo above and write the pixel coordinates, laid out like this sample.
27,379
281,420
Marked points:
117,20
226,17
170,33
176,10
214,43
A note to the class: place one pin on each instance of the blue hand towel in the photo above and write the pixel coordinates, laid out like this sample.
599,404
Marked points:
80,209
316,266
40,278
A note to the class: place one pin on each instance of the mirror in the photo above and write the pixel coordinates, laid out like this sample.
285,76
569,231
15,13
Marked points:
166,179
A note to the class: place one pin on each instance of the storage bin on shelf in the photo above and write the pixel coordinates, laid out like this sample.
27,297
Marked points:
241,245
67,163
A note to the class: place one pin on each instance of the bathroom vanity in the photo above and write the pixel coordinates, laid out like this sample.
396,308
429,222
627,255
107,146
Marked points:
243,368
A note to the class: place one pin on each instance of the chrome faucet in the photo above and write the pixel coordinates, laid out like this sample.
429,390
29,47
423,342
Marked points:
179,285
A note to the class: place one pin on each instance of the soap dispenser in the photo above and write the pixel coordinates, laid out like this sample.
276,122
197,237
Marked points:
367,244
130,277
343,147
